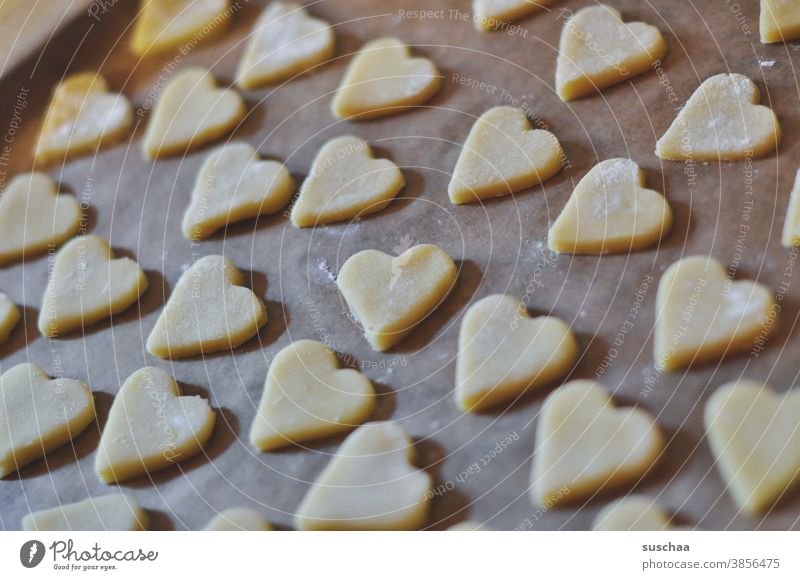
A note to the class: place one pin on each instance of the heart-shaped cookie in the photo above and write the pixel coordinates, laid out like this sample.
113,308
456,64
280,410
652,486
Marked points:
190,112
115,512
389,295
634,513
371,484
209,310
82,117
753,432
383,79
345,181
597,49
584,444
87,284
307,396
238,520
779,20
233,185
167,24
702,315
151,426
721,121
503,352
9,316
39,414
791,226
496,14
33,217
284,42
611,211
502,155
468,526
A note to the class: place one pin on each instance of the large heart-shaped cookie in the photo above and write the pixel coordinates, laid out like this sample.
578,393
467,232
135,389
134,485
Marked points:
702,315
611,211
307,396
150,427
503,154
209,310
238,520
503,352
370,484
87,284
234,185
115,512
585,445
168,24
383,79
634,513
496,14
39,414
9,316
345,181
779,20
389,295
791,225
722,120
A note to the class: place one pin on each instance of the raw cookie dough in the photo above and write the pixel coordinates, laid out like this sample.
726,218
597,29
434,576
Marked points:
753,432
389,296
82,117
190,112
611,211
780,20
503,155
721,121
9,316
791,226
167,24
496,14
597,50
307,396
39,414
151,426
468,527
702,315
284,42
585,444
238,520
345,181
209,310
635,513
234,185
87,284
370,484
383,79
503,352
115,512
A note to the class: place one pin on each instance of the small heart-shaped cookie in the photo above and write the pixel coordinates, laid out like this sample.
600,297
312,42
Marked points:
585,445
503,352
703,315
190,112
496,14
238,520
345,181
383,79
209,310
597,49
33,217
370,484
115,512
502,155
284,42
87,284
307,396
721,121
611,211
468,526
233,185
167,24
39,414
635,513
791,226
779,20
9,316
389,295
151,426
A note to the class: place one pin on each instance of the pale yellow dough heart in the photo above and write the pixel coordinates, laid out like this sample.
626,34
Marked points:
307,396
611,211
503,352
115,512
209,310
167,24
39,414
634,513
779,20
721,121
190,112
87,284
389,296
82,117
345,181
370,484
150,427
234,185
496,14
9,316
597,49
585,444
468,526
238,520
791,225
383,79
702,315
285,41
502,155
